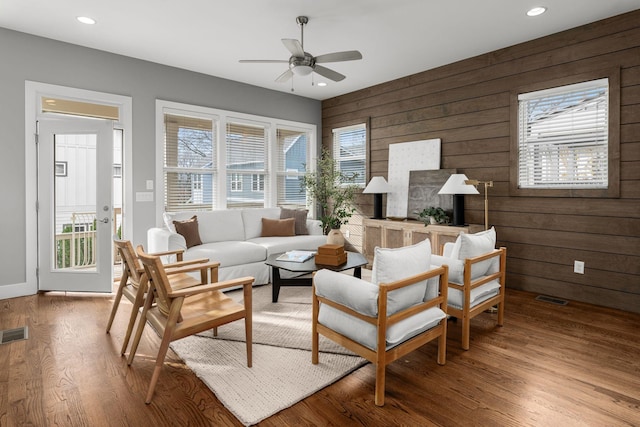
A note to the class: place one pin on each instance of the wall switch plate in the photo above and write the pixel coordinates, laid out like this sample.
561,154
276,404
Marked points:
149,184
578,267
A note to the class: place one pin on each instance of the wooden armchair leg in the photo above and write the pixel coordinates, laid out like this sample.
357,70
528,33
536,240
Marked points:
380,384
162,353
132,321
501,313
116,301
466,326
442,346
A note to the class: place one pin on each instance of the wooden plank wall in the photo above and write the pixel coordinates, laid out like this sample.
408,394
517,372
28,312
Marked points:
466,104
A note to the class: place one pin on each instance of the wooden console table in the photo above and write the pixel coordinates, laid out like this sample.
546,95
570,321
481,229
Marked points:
386,233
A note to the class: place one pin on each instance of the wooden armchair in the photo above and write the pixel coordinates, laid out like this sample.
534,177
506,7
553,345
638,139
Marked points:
383,322
133,287
477,273
180,312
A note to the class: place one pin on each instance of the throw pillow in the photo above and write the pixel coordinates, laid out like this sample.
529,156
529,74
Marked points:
473,245
390,265
278,227
189,230
300,216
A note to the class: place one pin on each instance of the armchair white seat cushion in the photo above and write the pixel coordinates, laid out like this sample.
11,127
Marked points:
478,295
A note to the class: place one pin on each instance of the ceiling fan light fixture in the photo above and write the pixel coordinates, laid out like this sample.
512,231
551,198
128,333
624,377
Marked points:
302,70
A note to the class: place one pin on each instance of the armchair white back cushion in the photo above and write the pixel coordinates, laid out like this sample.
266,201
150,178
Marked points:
390,265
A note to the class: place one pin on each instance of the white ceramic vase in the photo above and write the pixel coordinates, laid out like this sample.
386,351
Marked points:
335,237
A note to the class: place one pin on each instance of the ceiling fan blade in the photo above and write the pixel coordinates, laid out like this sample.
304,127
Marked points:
263,61
294,47
347,55
284,76
330,74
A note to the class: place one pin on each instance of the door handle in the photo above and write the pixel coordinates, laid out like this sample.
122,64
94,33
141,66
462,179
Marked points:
105,220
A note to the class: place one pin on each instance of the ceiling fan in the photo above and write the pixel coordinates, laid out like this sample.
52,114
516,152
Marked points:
302,63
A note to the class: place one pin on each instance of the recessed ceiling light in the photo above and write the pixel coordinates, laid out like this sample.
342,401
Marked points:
86,20
322,84
539,10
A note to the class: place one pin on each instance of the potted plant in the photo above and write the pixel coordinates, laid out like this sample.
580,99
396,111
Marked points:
433,215
333,190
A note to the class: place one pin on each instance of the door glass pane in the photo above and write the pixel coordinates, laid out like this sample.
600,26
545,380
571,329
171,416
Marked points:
75,202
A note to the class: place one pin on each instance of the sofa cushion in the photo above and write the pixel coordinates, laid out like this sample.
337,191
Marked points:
214,226
300,216
390,265
189,230
252,219
278,227
229,253
276,245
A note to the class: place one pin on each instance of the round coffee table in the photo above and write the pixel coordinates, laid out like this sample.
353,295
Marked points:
355,260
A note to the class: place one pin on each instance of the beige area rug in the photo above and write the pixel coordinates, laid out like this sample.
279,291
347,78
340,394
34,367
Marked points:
282,372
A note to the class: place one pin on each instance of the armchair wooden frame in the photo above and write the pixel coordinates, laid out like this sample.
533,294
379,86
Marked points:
133,286
381,357
467,312
181,312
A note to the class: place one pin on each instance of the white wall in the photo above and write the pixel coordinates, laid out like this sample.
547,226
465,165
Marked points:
25,57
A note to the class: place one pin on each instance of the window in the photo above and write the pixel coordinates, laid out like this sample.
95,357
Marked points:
257,182
565,144
189,162
235,180
246,152
349,151
292,154
216,159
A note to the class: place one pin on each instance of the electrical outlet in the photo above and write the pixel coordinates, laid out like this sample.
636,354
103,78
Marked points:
346,233
578,267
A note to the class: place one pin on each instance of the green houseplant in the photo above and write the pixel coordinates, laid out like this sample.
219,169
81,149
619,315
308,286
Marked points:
433,215
333,190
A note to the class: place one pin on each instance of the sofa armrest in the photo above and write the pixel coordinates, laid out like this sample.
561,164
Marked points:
314,226
163,240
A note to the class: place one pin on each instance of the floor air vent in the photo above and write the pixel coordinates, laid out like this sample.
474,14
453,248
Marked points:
552,300
11,335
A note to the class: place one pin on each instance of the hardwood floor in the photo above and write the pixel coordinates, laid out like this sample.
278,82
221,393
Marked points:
574,365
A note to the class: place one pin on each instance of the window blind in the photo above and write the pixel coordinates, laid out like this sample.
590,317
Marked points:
246,149
189,163
349,151
563,139
292,150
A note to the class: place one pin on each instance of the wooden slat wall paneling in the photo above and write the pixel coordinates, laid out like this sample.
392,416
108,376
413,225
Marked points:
466,104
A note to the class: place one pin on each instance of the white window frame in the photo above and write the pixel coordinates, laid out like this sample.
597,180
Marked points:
223,117
337,132
257,182
607,187
235,182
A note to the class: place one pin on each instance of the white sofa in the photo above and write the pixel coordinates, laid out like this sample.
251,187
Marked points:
233,238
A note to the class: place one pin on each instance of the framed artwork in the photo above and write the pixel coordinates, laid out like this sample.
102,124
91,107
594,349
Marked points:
423,191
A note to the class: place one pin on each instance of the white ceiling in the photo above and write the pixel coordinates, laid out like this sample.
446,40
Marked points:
396,38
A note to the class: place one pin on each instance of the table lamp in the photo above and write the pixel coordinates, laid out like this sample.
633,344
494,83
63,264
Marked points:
456,185
377,186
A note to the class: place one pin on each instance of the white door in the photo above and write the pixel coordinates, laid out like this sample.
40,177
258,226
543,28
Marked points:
75,161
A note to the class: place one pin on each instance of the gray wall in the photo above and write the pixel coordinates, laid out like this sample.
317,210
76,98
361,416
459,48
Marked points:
26,57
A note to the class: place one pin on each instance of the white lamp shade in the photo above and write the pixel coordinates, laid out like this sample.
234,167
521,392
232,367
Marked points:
377,185
455,185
